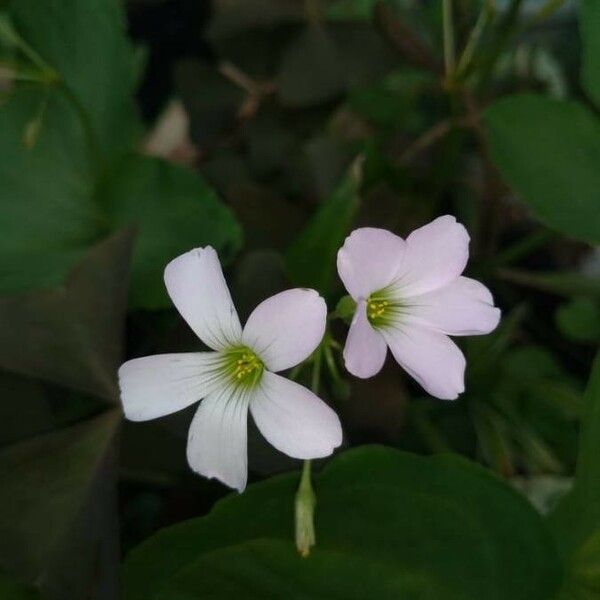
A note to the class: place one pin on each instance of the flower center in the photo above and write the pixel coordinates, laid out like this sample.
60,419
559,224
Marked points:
382,310
243,366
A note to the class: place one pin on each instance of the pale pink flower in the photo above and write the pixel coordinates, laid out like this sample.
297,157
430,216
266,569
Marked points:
239,374
410,296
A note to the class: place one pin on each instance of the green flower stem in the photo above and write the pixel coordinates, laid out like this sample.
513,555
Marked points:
485,16
306,499
449,48
506,31
305,510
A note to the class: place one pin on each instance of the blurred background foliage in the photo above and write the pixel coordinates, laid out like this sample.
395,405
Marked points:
131,132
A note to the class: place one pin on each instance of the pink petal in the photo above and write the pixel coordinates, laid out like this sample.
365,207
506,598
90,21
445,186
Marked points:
365,349
155,386
286,328
432,358
197,287
369,260
436,254
293,419
463,307
217,441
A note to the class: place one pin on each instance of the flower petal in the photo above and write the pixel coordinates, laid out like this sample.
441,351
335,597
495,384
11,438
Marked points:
293,419
463,307
197,287
436,254
369,260
154,386
286,328
432,358
217,442
365,349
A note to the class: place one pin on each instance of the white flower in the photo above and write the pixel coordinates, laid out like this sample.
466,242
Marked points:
240,373
410,297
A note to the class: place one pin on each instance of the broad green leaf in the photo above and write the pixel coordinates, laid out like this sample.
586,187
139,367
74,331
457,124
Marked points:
312,256
47,213
589,25
576,521
85,41
55,203
173,210
549,152
579,319
72,334
271,569
437,527
53,503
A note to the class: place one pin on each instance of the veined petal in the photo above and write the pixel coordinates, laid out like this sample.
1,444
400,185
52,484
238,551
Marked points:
369,260
286,328
197,287
154,386
293,419
432,358
217,440
365,349
463,307
436,254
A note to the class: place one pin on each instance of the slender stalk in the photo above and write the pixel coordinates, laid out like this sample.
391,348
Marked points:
506,31
449,43
485,16
305,509
305,496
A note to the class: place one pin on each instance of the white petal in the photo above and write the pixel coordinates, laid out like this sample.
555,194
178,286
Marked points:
365,349
217,441
293,419
155,386
286,328
436,254
369,260
432,358
197,287
463,307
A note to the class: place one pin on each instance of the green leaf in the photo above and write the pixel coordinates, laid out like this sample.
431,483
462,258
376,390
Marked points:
56,201
269,569
72,334
579,319
173,210
589,25
311,257
47,213
549,152
85,41
576,521
407,526
53,503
